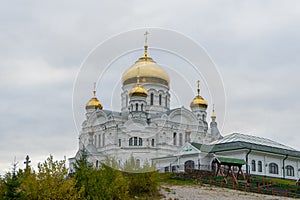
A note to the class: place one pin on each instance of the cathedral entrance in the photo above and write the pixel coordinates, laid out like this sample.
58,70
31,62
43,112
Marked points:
188,165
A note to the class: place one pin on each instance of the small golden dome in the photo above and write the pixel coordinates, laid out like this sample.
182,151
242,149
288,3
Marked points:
149,71
94,102
139,91
213,115
198,101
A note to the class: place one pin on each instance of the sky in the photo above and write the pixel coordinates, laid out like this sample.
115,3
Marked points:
254,45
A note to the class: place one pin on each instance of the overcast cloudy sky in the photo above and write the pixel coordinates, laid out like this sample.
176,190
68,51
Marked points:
255,45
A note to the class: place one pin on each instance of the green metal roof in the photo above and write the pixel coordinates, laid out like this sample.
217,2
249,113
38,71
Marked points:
238,137
224,160
238,142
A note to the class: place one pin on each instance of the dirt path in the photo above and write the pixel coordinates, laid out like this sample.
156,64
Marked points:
208,193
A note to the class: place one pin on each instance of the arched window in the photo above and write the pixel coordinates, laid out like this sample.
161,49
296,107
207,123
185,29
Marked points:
174,138
189,165
151,99
290,170
259,166
138,163
103,139
203,117
253,165
180,139
136,107
273,168
131,107
159,99
97,164
99,140
152,142
142,107
135,141
120,142
187,136
166,101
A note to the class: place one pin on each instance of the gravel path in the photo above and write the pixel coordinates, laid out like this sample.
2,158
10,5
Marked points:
196,192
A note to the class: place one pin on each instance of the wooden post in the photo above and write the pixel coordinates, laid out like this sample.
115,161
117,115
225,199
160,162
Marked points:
286,193
273,191
210,182
258,188
201,180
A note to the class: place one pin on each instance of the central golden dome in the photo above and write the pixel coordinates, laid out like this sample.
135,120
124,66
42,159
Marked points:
148,70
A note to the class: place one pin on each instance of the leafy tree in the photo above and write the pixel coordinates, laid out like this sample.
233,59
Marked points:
51,182
102,183
142,180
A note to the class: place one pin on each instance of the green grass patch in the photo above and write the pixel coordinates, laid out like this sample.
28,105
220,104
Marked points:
170,178
276,181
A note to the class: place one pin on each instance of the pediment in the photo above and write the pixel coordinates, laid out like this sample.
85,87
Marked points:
188,149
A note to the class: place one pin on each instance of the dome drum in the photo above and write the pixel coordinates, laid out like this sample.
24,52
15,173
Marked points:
146,80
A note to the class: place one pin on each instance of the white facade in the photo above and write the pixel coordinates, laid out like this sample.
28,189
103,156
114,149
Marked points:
172,138
146,127
263,157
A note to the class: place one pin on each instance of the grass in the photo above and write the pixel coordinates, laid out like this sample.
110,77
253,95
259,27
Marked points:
169,178
276,181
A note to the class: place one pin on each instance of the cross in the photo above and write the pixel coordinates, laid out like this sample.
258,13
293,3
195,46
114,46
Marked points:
146,37
27,161
94,89
198,87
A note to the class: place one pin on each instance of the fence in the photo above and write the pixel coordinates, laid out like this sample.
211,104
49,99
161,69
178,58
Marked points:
256,185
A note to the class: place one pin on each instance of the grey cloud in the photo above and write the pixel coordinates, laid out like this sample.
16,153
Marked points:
255,46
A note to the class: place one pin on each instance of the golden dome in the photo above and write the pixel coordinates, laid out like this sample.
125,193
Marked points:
198,101
149,71
213,115
94,102
139,91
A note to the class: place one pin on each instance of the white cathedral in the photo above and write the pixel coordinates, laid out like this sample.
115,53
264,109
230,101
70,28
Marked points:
149,130
146,127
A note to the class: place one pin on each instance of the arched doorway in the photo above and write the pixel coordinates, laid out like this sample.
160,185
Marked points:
188,165
214,166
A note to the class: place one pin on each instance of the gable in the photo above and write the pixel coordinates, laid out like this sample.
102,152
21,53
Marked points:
188,149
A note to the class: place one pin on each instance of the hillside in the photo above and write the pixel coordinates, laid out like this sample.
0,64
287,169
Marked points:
209,193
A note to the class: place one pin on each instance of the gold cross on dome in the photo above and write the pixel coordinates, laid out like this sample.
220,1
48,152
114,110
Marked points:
146,46
146,37
94,89
198,87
